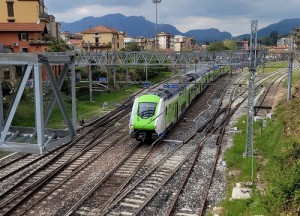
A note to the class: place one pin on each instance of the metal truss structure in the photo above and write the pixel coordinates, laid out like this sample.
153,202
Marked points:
39,138
290,69
162,58
251,88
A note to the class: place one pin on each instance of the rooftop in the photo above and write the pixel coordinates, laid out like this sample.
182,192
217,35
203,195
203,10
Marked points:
26,27
101,29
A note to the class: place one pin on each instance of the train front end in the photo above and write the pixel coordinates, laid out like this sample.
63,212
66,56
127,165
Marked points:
146,121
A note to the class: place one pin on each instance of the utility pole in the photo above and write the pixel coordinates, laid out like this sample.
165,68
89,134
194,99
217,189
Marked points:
90,75
1,108
155,43
290,68
251,91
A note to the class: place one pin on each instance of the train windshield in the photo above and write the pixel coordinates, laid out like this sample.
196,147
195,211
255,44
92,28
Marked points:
146,109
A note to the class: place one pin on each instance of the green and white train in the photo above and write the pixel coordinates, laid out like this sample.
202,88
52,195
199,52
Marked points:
154,113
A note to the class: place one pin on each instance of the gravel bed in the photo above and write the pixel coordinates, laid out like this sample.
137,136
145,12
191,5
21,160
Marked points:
74,189
9,157
7,183
203,109
196,117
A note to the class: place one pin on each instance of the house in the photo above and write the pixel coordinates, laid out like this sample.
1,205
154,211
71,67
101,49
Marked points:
24,37
182,43
165,41
143,43
102,38
25,26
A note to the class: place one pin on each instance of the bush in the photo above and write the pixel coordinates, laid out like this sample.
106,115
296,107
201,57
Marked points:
83,91
66,87
6,87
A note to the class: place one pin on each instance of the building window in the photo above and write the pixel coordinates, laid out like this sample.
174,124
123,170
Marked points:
24,50
23,37
6,75
118,45
19,71
10,9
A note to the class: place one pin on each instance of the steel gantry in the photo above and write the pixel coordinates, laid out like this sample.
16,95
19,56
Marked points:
162,58
39,138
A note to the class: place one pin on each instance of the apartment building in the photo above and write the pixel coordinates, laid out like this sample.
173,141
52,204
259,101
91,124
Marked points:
143,43
165,41
25,26
182,43
102,38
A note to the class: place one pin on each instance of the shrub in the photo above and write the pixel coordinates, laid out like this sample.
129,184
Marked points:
6,87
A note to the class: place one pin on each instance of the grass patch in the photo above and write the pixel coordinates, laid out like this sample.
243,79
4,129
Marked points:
276,167
269,68
85,108
25,114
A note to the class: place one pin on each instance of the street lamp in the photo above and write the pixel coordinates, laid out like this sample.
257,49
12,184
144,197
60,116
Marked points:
156,2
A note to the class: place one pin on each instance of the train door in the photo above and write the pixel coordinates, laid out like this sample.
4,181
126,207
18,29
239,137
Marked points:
176,110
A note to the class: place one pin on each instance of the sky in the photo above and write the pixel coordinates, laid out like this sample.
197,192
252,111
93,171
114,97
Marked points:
233,16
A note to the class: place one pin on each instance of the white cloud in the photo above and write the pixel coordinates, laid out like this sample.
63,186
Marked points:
233,16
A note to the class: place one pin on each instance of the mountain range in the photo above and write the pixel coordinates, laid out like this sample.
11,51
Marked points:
135,26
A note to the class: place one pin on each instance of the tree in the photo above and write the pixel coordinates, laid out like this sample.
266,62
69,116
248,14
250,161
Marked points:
6,87
230,44
132,47
58,46
217,46
273,38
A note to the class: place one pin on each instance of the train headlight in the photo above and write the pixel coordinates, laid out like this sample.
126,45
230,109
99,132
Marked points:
131,127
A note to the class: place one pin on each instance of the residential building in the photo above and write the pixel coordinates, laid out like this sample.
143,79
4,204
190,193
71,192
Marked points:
182,43
143,43
24,37
165,41
242,45
26,27
284,42
23,11
101,38
128,40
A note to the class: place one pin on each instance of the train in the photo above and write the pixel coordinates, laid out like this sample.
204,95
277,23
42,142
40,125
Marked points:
154,113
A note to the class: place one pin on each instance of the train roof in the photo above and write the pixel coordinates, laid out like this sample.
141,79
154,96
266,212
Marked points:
168,90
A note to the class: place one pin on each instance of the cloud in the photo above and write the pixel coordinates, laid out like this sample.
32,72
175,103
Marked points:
233,16
59,6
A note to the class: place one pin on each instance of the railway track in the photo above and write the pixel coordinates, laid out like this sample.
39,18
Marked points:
135,198
107,189
132,191
55,172
130,205
31,178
